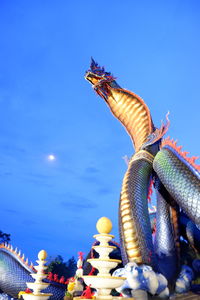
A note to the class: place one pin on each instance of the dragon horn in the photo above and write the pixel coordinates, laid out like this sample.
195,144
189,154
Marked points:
93,61
93,64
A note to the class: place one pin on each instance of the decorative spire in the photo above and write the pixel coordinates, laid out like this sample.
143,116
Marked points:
38,285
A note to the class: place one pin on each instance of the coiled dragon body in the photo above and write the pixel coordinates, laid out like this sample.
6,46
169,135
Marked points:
175,177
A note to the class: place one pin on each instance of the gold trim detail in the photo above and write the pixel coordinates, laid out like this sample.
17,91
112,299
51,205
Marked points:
143,154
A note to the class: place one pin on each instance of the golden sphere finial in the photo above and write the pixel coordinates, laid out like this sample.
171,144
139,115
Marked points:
42,255
104,225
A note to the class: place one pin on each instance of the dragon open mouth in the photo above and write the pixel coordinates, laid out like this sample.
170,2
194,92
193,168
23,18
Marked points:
92,78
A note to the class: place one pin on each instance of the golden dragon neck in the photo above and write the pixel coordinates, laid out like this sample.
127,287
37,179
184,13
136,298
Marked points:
133,113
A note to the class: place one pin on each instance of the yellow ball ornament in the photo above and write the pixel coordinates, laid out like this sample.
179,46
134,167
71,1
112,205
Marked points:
104,225
42,255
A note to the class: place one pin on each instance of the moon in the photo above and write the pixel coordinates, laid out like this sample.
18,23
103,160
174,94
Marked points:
51,157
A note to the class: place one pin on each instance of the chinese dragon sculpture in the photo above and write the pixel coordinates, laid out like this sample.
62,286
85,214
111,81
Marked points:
174,175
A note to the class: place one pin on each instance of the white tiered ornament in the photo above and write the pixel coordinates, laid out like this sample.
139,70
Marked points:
103,282
38,285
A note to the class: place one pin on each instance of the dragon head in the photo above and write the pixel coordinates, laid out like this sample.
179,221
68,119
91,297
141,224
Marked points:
126,106
99,78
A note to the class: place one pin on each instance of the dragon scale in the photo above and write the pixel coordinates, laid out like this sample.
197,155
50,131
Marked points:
166,249
133,212
181,181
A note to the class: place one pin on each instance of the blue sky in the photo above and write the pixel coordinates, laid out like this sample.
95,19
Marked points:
46,107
